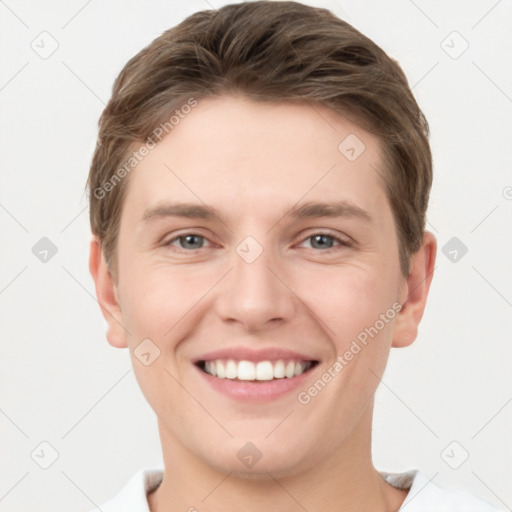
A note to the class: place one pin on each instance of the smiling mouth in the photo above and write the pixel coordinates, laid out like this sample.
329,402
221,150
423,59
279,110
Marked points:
260,371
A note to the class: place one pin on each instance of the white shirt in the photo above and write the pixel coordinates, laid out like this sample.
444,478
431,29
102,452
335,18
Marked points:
424,496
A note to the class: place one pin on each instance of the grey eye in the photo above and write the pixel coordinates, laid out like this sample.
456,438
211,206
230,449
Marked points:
190,241
320,241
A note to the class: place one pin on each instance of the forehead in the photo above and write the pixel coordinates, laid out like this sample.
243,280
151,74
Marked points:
237,153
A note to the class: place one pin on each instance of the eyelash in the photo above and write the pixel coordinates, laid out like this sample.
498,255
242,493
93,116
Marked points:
341,241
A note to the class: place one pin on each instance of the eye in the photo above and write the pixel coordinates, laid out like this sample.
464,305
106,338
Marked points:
325,240
188,241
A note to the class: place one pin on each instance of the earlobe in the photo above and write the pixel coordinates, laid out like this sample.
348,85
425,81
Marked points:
106,293
416,291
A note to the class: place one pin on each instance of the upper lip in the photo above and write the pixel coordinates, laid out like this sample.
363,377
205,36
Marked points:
250,354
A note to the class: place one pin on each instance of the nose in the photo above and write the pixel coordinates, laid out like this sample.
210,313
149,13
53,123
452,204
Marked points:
256,293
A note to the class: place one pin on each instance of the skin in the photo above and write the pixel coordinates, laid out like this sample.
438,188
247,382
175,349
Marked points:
253,162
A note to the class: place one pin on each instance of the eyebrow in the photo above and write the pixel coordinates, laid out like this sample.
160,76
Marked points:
309,209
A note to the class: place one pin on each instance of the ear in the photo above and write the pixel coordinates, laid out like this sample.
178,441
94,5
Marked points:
106,292
415,291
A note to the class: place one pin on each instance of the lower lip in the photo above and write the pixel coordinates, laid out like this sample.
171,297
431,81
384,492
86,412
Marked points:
260,391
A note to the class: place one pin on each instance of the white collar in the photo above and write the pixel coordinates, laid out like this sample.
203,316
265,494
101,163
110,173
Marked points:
424,495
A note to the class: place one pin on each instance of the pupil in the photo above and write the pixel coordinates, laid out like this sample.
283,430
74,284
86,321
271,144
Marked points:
320,237
190,238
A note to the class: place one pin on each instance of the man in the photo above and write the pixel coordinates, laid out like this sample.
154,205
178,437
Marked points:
258,200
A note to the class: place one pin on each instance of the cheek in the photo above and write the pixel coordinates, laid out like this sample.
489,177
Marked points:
350,308
151,304
346,299
162,302
157,307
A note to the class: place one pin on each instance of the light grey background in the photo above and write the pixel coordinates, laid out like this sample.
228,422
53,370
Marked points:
61,383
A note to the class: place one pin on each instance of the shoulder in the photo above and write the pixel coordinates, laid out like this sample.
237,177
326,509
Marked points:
133,496
426,496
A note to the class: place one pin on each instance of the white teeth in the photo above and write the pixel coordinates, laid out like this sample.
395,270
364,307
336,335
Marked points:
231,370
290,370
221,371
279,370
263,370
299,368
246,370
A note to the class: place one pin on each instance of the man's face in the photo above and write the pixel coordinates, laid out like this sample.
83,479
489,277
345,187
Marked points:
257,283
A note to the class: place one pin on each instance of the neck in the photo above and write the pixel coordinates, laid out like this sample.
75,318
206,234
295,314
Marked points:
344,480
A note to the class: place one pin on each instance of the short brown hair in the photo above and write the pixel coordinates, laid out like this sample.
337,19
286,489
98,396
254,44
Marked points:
267,51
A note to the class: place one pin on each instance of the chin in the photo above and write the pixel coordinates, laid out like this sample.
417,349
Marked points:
269,460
